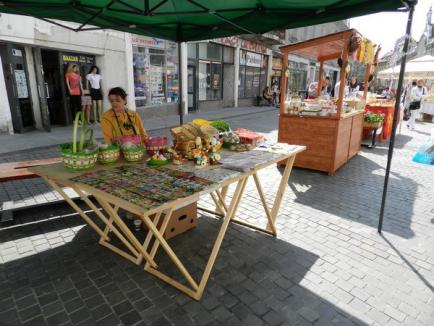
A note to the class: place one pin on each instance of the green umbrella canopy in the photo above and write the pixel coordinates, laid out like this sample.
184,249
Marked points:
192,20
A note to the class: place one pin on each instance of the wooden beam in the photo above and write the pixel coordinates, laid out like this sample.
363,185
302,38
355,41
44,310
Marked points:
324,40
343,78
321,71
283,84
330,56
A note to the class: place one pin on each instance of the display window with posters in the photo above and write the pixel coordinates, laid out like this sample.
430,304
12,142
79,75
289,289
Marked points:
210,71
155,66
252,74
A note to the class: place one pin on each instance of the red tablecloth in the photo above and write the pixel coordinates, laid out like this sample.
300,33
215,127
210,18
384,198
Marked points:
388,118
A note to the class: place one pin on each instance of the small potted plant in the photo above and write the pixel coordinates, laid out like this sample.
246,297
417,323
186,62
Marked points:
82,155
372,120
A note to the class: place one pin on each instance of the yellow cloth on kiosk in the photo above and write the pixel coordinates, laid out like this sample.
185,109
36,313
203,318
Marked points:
112,130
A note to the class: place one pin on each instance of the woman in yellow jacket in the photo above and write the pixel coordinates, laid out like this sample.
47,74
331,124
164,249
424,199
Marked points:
119,121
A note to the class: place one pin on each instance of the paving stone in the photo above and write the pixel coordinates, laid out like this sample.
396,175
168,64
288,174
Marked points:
394,313
110,320
273,318
79,315
58,319
130,318
29,312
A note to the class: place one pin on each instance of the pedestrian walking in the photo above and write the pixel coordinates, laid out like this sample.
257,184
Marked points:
417,94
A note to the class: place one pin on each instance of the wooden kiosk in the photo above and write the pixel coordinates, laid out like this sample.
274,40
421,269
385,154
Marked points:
334,139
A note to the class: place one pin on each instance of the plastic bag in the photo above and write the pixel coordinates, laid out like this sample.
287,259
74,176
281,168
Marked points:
425,153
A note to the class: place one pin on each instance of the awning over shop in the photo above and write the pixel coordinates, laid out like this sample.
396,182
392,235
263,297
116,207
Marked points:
190,20
422,67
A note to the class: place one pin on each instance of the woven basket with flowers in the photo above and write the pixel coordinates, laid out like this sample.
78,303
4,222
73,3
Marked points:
108,153
82,155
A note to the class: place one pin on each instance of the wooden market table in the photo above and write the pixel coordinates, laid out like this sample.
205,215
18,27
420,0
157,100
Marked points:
221,177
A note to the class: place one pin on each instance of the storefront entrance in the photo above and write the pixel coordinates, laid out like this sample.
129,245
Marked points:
17,86
55,98
53,88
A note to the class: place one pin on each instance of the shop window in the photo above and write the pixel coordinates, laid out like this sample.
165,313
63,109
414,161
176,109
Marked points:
155,75
228,55
191,50
210,51
253,74
252,81
210,81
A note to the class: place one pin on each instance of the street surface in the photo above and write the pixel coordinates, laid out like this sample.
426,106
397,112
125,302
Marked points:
327,266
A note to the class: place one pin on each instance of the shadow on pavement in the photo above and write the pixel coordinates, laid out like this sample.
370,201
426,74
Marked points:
255,276
414,270
354,192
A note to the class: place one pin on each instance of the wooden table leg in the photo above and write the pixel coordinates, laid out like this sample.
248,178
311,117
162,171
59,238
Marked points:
215,250
71,203
136,258
281,190
124,228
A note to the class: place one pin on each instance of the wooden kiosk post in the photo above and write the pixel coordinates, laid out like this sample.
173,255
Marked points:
334,139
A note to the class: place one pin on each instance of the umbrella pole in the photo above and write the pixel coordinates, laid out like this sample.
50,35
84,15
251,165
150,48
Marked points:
180,97
395,116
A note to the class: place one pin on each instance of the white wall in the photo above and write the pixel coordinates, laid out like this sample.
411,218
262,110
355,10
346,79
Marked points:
34,93
5,112
110,48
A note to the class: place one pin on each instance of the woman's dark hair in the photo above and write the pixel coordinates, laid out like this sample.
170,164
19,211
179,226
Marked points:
92,68
119,91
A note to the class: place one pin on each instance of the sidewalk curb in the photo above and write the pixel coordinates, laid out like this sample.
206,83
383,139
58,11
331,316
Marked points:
187,118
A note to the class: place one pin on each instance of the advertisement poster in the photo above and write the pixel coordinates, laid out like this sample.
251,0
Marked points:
21,82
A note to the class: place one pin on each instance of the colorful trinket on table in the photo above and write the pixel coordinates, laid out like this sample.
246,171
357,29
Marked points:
177,158
158,159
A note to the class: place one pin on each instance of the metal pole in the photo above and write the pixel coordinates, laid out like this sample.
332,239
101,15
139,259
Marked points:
181,101
395,116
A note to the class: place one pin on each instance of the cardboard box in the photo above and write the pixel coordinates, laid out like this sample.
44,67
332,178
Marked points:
182,220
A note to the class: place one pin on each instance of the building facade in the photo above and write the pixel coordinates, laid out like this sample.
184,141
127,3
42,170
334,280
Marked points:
226,72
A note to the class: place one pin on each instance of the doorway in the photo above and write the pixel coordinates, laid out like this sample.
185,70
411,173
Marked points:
17,87
191,87
53,89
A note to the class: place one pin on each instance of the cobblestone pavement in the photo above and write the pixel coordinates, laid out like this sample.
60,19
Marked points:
327,266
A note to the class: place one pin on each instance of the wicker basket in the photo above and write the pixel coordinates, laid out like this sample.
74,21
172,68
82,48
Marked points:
106,156
372,125
155,144
134,155
79,161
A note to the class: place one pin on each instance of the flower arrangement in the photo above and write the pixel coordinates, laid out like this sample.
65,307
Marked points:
82,155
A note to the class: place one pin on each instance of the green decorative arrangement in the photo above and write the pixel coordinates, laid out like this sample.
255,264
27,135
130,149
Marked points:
82,155
133,153
221,125
372,120
109,153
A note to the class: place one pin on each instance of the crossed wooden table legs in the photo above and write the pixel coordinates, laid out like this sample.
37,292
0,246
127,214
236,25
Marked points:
137,252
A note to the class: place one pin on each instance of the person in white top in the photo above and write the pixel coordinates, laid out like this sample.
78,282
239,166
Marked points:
336,91
416,96
94,80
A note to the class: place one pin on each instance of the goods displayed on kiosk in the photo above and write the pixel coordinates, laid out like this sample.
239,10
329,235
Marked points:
155,144
82,155
108,153
144,186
